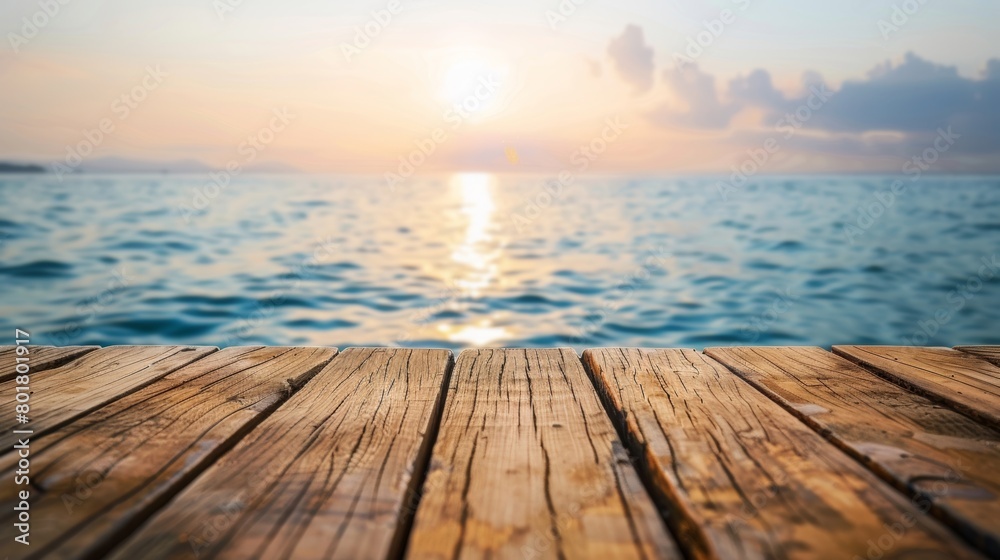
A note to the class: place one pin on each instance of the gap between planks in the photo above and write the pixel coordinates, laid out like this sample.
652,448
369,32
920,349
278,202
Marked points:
945,460
98,478
528,465
39,358
956,379
412,499
739,475
330,474
989,353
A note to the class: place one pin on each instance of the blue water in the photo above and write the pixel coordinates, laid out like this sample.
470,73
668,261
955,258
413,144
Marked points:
465,260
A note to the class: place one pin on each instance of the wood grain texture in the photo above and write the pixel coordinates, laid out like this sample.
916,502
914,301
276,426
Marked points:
990,353
963,382
40,358
742,478
940,457
528,466
101,476
60,395
328,475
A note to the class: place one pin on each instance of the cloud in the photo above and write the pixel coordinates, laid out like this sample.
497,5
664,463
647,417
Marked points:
916,97
911,100
633,58
707,108
696,90
911,97
992,72
595,67
756,89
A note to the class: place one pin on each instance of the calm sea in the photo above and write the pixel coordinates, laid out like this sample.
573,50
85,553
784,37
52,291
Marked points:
475,259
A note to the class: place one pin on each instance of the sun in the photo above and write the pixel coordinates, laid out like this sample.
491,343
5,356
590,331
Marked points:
461,78
475,81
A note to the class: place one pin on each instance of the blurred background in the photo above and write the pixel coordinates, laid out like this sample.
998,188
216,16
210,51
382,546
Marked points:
430,173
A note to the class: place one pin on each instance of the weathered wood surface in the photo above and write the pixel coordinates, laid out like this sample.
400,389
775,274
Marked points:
964,382
329,475
175,452
60,395
98,478
991,353
527,465
937,455
744,478
40,358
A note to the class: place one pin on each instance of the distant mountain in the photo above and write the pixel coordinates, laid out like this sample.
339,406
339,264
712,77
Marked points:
276,168
8,167
124,165
114,164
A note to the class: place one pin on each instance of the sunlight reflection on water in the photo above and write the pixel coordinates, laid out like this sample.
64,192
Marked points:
477,256
447,261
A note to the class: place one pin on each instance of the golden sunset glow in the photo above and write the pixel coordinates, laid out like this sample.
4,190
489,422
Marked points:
501,85
476,255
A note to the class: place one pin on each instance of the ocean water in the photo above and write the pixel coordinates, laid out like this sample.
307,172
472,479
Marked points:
483,260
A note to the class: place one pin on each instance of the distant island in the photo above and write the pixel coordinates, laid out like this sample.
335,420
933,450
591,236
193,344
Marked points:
7,167
124,165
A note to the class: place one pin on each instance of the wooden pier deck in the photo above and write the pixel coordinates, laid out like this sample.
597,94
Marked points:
281,452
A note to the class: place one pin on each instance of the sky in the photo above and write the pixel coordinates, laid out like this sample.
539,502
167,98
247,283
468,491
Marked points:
397,87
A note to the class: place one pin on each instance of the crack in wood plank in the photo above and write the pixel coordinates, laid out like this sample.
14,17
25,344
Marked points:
545,477
956,379
908,440
40,358
101,476
705,436
328,475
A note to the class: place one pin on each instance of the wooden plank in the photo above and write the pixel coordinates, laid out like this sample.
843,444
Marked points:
527,465
328,475
938,456
60,395
742,478
100,477
990,353
40,358
961,381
